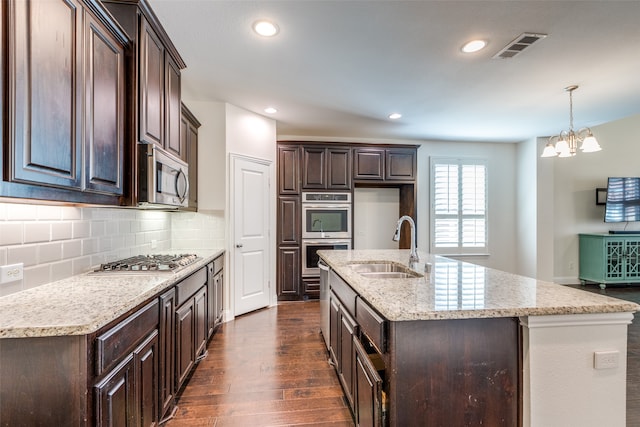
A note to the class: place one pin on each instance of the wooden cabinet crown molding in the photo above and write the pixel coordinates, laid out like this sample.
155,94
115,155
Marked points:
108,20
150,16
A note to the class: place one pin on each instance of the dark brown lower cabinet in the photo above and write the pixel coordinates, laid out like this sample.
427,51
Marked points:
448,372
145,364
191,334
128,395
367,388
127,373
115,396
311,287
185,351
167,351
215,283
289,273
348,329
200,329
218,302
334,329
343,329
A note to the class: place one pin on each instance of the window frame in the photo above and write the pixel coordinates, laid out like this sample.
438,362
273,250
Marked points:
458,250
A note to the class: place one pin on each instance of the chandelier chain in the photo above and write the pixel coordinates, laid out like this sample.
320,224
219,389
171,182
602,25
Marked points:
571,110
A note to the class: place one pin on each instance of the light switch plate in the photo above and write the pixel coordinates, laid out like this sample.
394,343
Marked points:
11,273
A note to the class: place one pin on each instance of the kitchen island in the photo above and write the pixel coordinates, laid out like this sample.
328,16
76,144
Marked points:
467,345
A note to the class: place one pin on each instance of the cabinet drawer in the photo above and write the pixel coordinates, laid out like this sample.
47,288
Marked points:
120,340
190,285
372,324
345,294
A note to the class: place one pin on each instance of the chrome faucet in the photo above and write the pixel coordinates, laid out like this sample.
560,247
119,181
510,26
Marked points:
413,257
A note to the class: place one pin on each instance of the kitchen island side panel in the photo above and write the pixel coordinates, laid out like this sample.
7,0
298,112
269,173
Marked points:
48,373
455,372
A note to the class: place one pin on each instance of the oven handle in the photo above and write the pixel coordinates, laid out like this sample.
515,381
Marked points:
326,242
315,206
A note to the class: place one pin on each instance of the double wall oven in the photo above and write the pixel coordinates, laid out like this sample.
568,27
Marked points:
326,224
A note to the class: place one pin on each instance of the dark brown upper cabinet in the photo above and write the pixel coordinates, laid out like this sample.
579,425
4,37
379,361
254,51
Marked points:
173,142
326,168
368,163
400,164
189,140
155,94
289,169
152,89
66,113
104,113
390,164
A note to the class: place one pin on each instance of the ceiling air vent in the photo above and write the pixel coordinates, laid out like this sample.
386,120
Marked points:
517,46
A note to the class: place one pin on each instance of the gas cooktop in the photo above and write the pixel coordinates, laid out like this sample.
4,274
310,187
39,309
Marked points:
148,263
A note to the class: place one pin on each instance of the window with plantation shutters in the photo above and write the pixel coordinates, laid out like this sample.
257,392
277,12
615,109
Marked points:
458,206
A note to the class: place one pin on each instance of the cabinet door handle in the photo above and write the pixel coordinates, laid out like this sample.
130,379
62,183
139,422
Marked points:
239,245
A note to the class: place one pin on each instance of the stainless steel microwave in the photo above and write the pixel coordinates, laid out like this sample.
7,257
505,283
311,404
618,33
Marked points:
163,179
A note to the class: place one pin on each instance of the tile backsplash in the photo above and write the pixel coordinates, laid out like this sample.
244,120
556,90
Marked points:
55,242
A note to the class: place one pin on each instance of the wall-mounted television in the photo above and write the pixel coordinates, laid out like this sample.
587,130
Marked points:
623,200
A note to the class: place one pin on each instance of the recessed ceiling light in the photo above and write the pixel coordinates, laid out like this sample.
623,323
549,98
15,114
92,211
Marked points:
265,28
473,46
395,116
270,110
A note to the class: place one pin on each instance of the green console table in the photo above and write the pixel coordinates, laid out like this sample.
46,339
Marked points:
609,258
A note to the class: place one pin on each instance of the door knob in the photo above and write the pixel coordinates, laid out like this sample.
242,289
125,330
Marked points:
239,245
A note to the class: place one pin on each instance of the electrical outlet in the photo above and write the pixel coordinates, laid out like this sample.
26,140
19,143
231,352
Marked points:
11,273
154,243
571,266
606,359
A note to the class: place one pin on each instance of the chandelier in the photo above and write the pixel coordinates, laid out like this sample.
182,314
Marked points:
566,143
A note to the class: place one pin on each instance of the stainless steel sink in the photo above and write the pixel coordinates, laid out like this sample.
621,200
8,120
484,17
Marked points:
384,270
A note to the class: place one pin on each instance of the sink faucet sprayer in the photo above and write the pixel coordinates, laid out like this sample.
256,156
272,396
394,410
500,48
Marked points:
413,257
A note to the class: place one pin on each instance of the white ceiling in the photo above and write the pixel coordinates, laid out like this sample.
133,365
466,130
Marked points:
338,68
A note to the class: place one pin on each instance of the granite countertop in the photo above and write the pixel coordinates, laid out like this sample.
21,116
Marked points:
459,290
84,303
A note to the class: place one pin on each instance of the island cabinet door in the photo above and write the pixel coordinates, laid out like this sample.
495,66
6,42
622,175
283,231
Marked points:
367,388
348,329
455,372
334,329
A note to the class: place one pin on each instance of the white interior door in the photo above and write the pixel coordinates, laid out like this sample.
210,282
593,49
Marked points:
250,202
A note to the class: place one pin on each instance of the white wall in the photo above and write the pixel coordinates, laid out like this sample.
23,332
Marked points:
375,215
249,134
212,176
501,193
573,191
226,129
526,208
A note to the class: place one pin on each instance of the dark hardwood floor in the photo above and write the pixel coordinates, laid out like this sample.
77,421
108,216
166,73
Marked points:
269,368
266,368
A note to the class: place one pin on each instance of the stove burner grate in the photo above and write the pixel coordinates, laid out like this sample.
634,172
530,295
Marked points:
144,263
